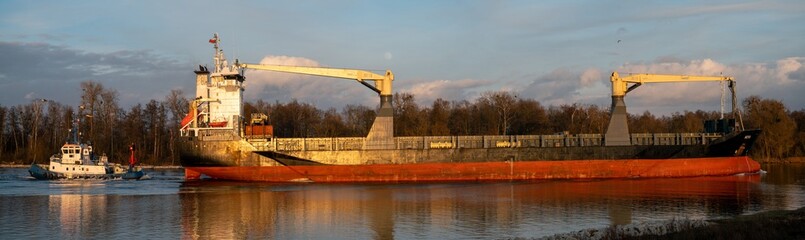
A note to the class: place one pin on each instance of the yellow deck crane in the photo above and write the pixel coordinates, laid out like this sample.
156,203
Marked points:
618,130
381,135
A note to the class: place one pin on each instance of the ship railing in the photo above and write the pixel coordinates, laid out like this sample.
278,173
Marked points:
216,134
314,144
674,138
409,142
233,126
351,143
487,141
711,137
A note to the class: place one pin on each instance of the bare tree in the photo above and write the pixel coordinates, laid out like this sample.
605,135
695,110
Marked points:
358,119
530,118
331,125
409,118
503,102
106,117
778,128
90,101
134,128
459,118
155,119
799,147
439,118
178,106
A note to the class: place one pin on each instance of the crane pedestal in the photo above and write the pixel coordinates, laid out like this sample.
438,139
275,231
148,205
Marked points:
618,130
381,135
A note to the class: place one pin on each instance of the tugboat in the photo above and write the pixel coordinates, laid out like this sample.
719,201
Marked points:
77,161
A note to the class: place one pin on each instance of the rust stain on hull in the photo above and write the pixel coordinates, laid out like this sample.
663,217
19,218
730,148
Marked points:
486,171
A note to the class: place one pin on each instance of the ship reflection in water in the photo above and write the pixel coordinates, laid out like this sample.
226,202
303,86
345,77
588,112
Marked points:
169,207
494,210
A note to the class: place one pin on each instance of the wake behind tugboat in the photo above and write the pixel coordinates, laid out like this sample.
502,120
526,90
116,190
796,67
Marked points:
76,160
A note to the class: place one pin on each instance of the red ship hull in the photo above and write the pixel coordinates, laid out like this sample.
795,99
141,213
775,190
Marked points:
485,171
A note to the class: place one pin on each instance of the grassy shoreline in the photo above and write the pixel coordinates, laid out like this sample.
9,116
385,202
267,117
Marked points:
778,224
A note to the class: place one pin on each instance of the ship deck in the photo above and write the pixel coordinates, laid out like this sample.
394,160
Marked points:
490,141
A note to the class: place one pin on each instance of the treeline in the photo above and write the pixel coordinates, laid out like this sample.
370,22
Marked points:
36,130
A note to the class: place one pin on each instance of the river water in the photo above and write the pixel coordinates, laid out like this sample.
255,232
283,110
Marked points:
166,206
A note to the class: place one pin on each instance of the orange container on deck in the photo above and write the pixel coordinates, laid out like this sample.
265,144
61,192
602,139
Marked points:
259,130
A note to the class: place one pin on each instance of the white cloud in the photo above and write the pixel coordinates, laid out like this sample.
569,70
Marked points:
258,78
567,86
590,77
787,66
427,92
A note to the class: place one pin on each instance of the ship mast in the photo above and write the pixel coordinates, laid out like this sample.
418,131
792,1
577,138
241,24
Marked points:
218,58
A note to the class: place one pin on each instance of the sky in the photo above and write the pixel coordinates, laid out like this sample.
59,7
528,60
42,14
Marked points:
557,52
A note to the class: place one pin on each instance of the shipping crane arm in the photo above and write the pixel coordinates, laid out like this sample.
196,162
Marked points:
382,82
619,84
618,130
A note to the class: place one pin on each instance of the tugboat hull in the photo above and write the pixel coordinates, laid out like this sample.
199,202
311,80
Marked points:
40,172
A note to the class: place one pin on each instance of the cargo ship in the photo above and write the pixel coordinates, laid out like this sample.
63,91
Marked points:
219,142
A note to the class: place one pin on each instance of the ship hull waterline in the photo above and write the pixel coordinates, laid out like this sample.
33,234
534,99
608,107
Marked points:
485,171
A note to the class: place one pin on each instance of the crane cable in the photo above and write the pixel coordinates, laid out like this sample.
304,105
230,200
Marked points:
723,95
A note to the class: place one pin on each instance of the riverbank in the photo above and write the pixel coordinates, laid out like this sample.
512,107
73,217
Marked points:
782,224
766,225
786,160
